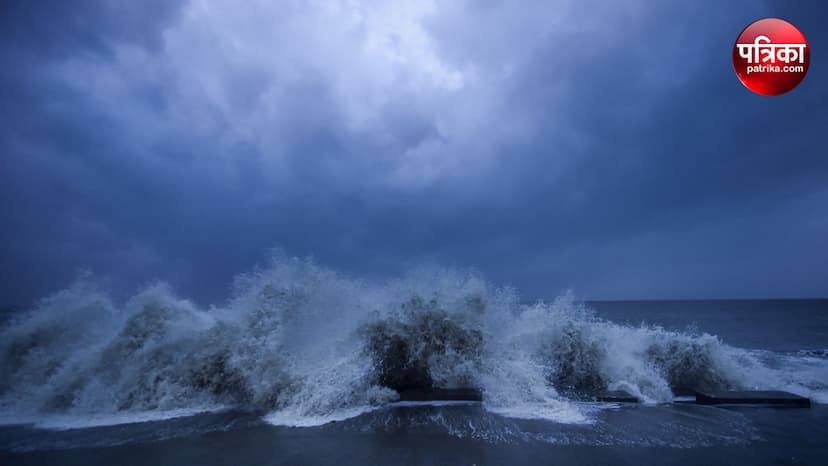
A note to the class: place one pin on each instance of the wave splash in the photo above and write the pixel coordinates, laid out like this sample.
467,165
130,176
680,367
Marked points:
309,345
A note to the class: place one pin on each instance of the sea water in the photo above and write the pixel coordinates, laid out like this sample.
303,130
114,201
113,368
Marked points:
295,367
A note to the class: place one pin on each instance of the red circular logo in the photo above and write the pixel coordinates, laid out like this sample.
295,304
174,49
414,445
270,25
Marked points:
771,56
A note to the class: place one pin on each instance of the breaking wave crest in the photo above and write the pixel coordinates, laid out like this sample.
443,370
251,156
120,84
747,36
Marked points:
308,345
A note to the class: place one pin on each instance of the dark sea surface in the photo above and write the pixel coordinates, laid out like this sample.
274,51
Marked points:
788,338
778,325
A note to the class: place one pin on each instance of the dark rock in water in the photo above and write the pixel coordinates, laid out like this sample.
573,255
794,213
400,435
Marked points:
441,394
616,396
767,397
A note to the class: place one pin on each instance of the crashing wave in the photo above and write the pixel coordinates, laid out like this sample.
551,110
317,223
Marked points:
309,345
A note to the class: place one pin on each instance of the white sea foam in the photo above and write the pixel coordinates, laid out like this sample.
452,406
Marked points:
296,417
436,403
311,346
74,421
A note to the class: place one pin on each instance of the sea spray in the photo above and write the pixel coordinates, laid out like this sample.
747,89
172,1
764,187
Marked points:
309,345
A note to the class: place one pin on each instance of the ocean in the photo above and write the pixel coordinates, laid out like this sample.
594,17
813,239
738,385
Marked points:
299,366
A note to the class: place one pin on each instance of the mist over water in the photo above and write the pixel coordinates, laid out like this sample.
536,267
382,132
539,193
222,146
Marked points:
305,345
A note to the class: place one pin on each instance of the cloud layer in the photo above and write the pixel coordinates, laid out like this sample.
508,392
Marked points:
606,148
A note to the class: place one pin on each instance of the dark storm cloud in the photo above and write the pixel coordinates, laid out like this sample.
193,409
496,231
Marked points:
182,141
54,143
81,26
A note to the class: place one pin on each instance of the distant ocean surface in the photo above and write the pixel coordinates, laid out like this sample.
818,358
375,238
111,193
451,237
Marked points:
295,369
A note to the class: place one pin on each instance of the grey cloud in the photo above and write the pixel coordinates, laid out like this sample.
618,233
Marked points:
145,146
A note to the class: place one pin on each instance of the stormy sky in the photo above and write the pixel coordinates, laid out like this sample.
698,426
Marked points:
605,147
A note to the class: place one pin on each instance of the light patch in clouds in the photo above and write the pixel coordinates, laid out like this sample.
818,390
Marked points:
367,54
233,76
